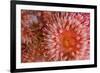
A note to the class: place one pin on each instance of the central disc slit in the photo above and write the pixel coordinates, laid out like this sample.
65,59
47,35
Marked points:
68,41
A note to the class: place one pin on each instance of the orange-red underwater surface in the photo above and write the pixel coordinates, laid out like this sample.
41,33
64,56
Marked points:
54,36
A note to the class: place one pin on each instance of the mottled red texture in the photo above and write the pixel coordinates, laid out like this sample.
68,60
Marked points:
54,36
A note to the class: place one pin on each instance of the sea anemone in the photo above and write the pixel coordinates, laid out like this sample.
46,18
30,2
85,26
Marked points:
67,35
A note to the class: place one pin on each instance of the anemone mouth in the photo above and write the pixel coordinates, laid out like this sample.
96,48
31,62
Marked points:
68,41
